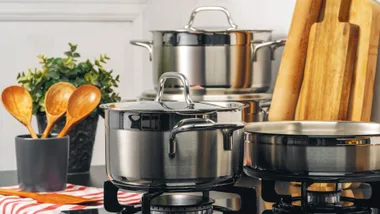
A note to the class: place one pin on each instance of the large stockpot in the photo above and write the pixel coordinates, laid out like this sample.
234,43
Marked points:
173,145
258,104
227,58
322,149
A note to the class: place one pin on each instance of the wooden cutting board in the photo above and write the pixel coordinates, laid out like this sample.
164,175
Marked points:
330,62
365,14
290,74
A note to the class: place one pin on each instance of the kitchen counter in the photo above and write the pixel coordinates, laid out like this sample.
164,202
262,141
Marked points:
97,176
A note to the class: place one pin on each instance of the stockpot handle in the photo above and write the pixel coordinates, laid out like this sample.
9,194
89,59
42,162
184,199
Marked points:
273,45
146,44
202,124
209,8
186,87
264,106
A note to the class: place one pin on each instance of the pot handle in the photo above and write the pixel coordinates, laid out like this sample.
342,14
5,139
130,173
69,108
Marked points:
201,124
209,8
273,45
264,106
145,44
186,87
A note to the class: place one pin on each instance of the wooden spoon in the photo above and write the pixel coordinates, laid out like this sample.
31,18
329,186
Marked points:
81,103
50,198
56,100
19,104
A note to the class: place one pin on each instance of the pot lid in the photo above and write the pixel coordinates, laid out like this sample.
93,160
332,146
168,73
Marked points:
173,106
190,35
185,107
209,94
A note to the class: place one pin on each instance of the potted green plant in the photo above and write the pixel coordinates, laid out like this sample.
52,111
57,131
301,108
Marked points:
70,69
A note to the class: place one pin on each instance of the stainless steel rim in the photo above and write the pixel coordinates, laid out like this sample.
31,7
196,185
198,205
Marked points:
324,129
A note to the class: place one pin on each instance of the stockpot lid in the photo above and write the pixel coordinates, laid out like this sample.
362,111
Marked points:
184,107
190,35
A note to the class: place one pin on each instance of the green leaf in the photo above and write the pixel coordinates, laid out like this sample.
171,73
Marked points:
54,75
73,47
76,55
65,70
88,77
102,59
106,57
57,61
68,53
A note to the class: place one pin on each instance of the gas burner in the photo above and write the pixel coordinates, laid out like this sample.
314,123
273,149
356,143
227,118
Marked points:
340,207
181,204
323,198
177,203
318,201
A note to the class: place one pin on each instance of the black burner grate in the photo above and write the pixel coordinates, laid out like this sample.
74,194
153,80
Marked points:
285,203
111,204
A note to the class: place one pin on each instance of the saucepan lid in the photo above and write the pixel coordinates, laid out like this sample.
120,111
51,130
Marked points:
208,94
185,107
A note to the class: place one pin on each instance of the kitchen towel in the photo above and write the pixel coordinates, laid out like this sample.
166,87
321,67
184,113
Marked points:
17,205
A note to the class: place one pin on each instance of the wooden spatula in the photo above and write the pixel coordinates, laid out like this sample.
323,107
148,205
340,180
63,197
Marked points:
290,74
51,198
330,61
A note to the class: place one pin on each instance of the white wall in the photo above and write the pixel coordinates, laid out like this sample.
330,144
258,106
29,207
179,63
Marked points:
32,27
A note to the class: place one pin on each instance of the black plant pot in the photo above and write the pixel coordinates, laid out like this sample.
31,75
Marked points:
82,138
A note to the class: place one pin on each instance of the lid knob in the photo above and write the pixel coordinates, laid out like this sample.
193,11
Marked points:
186,87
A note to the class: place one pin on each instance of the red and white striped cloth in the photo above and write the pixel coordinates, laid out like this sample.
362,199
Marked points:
17,205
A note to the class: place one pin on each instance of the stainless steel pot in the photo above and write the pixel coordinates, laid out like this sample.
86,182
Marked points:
227,58
258,104
173,145
312,148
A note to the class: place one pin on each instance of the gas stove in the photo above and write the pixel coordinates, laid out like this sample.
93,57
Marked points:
264,196
162,202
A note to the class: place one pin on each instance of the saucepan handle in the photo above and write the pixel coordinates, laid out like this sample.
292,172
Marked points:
209,8
273,45
201,124
146,44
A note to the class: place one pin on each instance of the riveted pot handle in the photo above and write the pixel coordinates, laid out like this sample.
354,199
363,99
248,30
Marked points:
186,87
209,8
273,45
201,124
145,44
